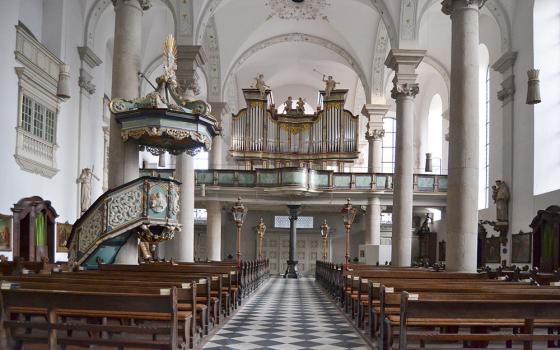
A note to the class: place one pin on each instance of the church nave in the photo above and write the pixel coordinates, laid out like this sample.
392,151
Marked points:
288,314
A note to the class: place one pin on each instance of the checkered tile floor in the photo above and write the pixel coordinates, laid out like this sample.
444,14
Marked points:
288,315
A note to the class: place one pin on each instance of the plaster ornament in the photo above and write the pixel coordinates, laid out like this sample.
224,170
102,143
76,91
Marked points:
406,89
158,202
306,10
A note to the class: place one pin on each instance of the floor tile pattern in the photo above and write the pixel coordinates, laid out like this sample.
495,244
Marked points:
288,315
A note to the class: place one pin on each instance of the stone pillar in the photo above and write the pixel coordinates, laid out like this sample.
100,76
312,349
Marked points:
215,157
123,157
462,192
505,65
374,134
189,58
214,231
291,271
373,222
405,88
184,240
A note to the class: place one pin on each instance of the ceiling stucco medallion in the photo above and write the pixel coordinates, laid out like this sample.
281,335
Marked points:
305,10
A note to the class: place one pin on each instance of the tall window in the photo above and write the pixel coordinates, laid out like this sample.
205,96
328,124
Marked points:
38,119
388,145
435,132
201,160
484,128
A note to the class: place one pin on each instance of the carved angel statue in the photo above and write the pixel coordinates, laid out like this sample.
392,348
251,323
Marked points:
289,104
330,85
300,106
500,195
261,85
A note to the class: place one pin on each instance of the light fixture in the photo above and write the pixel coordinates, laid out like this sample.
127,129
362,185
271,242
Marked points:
239,212
348,215
534,87
428,163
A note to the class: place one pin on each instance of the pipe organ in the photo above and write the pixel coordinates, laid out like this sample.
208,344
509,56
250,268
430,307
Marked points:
260,133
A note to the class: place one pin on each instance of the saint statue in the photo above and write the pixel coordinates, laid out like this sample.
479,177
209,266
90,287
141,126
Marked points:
289,105
261,85
330,85
500,195
85,191
300,106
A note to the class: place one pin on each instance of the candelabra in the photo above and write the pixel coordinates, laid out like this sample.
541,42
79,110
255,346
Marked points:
239,212
348,214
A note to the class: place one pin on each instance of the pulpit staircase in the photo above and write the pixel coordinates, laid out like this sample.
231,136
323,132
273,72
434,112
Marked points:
146,207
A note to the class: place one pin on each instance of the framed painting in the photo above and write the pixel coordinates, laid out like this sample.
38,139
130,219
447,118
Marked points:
521,247
63,231
492,251
6,232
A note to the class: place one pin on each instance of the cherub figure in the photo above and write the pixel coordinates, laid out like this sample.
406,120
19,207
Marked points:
289,105
261,85
300,106
330,85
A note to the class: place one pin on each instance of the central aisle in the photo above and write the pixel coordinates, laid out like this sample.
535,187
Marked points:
288,314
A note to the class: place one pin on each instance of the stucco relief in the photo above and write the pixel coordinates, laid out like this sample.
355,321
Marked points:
408,19
380,53
212,49
290,10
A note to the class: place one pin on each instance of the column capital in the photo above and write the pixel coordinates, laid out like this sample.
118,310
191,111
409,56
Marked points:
89,57
375,134
375,110
219,109
448,6
144,4
404,61
404,89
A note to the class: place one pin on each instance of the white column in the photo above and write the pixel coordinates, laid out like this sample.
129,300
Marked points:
462,193
374,134
215,157
184,240
214,231
405,88
373,221
123,156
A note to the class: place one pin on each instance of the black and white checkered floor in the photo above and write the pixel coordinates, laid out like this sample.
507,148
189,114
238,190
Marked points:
288,315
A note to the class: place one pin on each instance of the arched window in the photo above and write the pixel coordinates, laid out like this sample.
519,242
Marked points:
388,145
484,127
435,132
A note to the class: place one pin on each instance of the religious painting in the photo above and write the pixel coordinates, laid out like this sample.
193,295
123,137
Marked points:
521,247
492,250
5,232
62,235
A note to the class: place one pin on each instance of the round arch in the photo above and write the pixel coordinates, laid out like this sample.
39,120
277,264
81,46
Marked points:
299,37
100,6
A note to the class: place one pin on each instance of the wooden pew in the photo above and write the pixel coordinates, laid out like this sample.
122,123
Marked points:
54,312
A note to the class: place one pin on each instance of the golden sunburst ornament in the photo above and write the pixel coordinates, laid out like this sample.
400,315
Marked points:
170,56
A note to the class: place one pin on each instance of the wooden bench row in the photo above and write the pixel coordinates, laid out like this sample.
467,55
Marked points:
159,306
407,307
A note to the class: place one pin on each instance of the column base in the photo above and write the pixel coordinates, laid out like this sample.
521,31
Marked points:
291,270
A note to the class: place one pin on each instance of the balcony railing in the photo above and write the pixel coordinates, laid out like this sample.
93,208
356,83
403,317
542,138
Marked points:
315,180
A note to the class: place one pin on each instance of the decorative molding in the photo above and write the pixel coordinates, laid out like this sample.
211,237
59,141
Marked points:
375,134
211,47
290,10
299,37
85,82
379,55
505,62
185,25
98,8
89,57
408,19
205,17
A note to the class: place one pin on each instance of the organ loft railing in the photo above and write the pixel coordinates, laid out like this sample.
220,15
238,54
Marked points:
260,134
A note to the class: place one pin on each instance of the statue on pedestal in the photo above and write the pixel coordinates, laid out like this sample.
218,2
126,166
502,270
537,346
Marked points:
289,105
500,195
300,106
85,190
330,85
261,85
